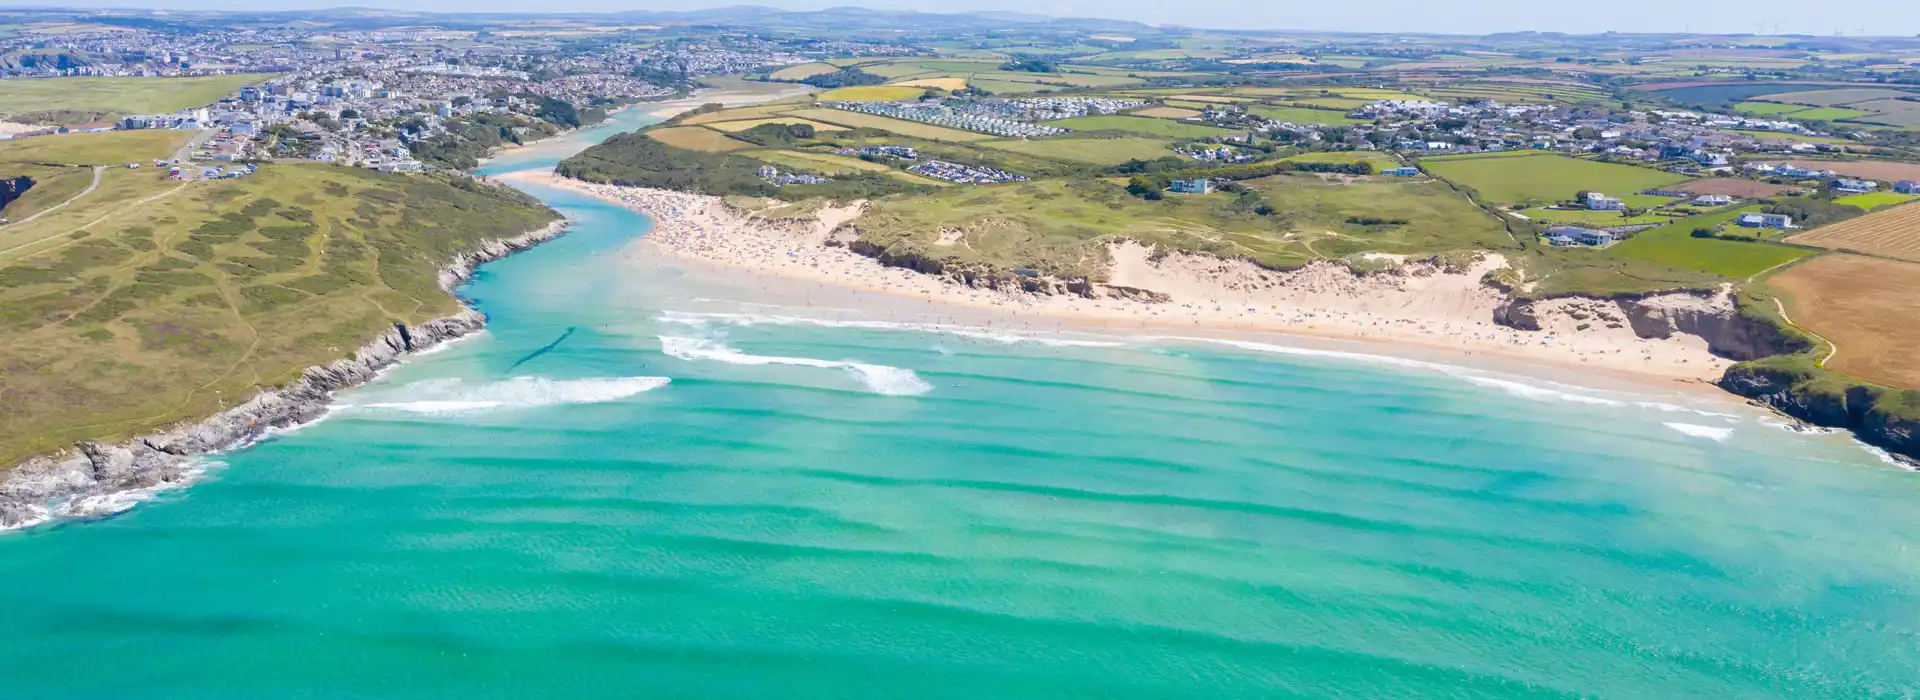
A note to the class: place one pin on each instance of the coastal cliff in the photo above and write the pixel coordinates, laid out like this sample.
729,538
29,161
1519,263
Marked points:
11,189
85,480
1884,417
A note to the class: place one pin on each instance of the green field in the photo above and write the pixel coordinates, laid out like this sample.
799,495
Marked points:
114,96
1797,138
1675,245
167,308
1085,150
1546,178
1141,125
1060,227
1766,109
1830,114
802,71
1875,200
1582,217
102,148
1300,115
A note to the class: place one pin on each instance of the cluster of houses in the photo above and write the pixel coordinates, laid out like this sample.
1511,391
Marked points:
773,175
901,152
963,174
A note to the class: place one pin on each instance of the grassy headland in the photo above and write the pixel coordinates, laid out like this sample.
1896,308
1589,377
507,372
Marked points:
150,302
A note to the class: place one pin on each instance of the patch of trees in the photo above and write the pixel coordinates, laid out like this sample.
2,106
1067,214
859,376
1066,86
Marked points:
468,139
635,160
1376,221
1158,173
845,77
1031,64
1810,213
776,135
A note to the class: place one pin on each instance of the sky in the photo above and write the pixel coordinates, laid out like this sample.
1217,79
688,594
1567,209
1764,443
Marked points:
1823,18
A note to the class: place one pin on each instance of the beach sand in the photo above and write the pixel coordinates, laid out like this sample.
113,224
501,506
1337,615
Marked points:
1429,309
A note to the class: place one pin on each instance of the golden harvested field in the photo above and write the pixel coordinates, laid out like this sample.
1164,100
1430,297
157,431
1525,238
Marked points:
1871,169
695,138
1893,232
1167,113
803,71
1865,307
737,113
936,83
744,125
872,93
898,126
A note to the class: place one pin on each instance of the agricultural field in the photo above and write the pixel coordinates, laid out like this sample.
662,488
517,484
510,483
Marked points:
1300,115
1892,232
1167,113
738,113
1882,170
1093,151
1733,187
1584,217
72,97
1675,246
803,71
824,163
872,93
1221,99
152,311
697,138
948,84
1793,138
1767,109
1865,307
1830,97
1875,200
1546,178
99,148
1714,93
743,125
1830,114
898,126
1141,125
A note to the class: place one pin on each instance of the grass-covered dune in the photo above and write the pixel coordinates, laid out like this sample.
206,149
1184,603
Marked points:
148,302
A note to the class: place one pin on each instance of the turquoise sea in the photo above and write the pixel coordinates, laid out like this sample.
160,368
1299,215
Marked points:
646,482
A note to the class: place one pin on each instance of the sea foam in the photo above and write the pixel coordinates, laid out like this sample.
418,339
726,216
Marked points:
1702,431
698,319
459,396
880,379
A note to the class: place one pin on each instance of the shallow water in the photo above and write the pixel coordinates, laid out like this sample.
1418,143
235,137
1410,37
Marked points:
646,482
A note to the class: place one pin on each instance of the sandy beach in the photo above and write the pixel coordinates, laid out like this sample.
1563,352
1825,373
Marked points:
1428,308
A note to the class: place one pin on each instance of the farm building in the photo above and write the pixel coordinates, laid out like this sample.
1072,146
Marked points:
1197,185
1907,187
1855,186
1575,235
1766,221
1713,200
1403,171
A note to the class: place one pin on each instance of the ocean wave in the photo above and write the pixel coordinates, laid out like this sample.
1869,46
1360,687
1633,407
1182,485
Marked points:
459,396
700,319
881,379
107,505
1889,458
1702,431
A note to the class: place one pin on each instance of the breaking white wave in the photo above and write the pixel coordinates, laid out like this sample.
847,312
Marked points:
698,319
115,503
1702,431
1533,389
881,379
1889,458
459,396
